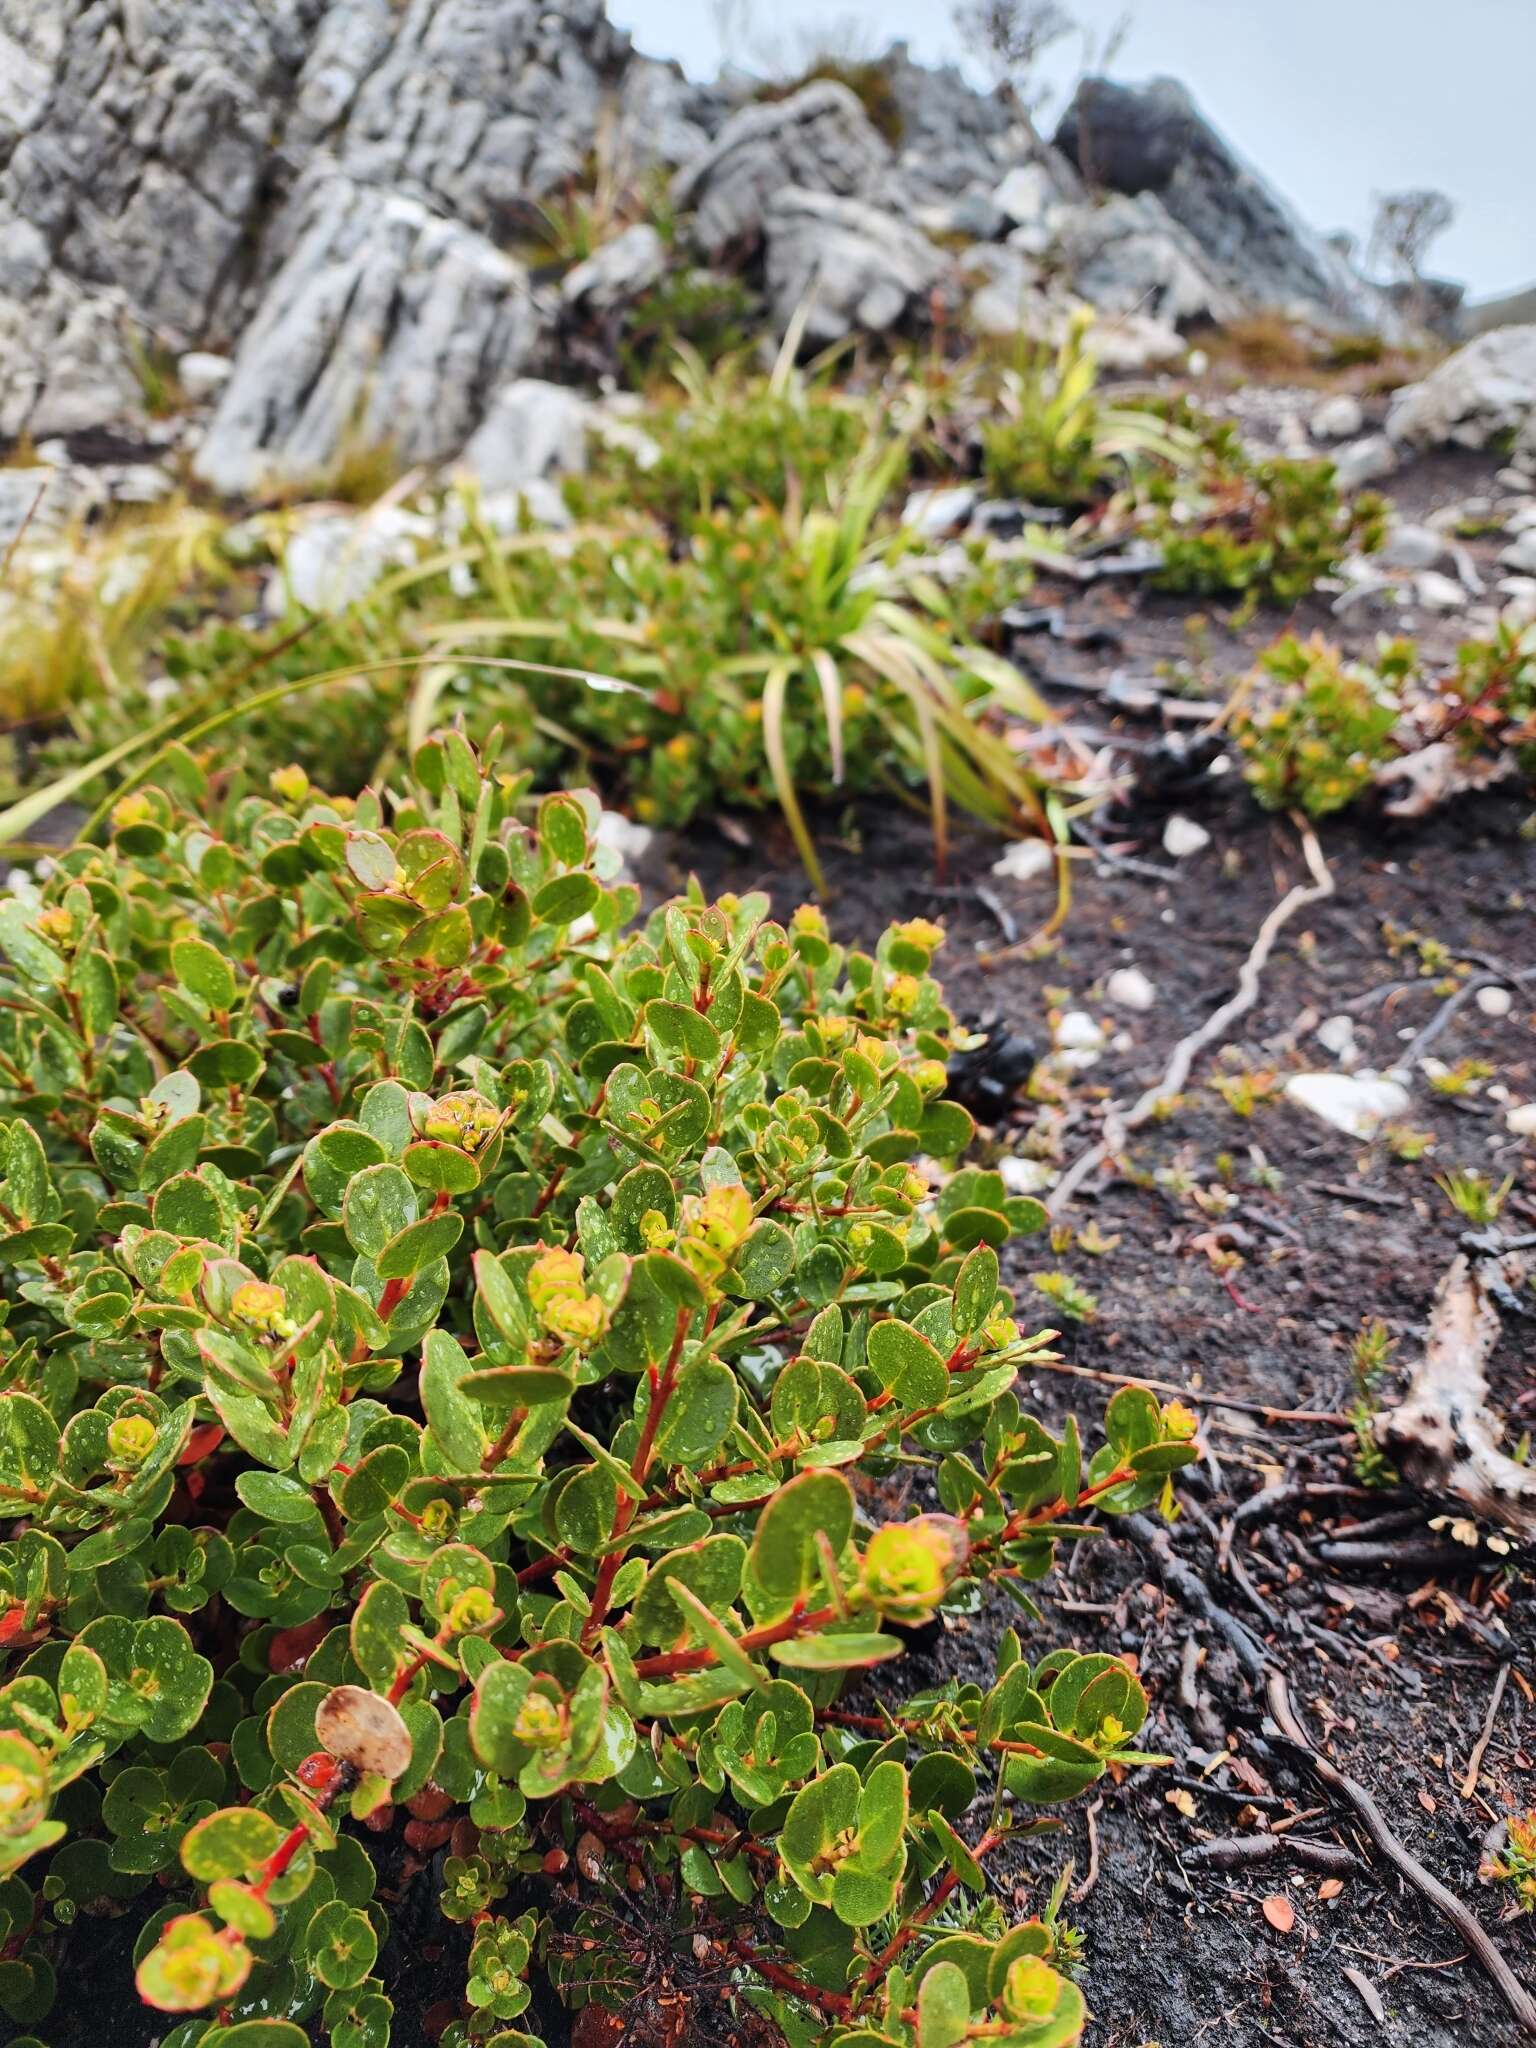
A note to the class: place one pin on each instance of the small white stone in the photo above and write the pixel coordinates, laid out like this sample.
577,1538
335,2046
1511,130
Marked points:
1364,462
1495,1002
1521,552
1026,1176
934,513
1078,1032
1337,1035
1183,837
1409,547
1025,861
1522,1121
1130,989
626,837
202,376
1353,1103
1339,418
1438,593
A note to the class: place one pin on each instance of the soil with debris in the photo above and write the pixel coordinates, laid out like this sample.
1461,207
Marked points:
1392,1665
1235,1258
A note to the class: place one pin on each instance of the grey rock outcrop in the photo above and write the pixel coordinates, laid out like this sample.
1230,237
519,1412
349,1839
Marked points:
617,273
663,119
952,137
1129,254
1484,390
327,191
1153,139
863,270
152,155
532,431
384,323
1007,292
818,140
132,155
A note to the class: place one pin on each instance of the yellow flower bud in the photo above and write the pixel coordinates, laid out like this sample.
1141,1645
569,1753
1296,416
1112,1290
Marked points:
465,1120
131,810
261,1308
920,931
1031,1989
540,1722
291,784
902,992
130,1439
1180,1422
909,1566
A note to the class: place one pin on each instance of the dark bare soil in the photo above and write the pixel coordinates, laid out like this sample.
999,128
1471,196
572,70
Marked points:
1392,1667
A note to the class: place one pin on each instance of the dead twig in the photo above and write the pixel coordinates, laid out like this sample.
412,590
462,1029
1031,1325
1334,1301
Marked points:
1237,1852
1514,1994
1453,1003
1475,1765
1206,1400
1188,1586
1117,1125
1443,1436
1091,1875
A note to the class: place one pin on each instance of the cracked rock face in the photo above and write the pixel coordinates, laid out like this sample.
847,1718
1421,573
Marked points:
384,323
321,180
133,146
332,192
819,140
862,269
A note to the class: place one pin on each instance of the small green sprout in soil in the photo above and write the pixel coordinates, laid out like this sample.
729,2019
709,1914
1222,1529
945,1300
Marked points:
444,1322
1370,1360
1474,1195
1066,1297
1407,1143
1462,1079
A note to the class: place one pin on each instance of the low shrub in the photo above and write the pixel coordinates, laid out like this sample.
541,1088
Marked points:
443,1330
1489,697
728,440
1058,440
1266,528
779,656
1315,727
771,655
711,312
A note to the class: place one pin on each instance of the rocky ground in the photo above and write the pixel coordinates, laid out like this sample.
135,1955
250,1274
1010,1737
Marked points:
320,225
359,221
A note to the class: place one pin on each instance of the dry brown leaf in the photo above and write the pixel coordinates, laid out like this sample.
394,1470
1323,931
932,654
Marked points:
1279,1912
1330,1887
1427,1801
1184,1801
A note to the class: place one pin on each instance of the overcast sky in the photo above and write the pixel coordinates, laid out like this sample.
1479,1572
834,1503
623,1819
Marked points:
1333,100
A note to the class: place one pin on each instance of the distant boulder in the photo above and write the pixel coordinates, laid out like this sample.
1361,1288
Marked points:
1153,138
1485,392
